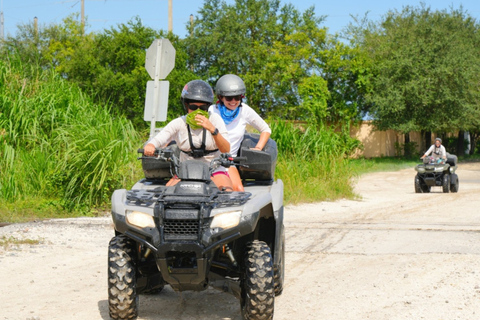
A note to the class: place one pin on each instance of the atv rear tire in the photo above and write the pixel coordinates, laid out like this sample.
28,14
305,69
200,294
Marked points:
279,271
122,295
446,183
258,288
454,187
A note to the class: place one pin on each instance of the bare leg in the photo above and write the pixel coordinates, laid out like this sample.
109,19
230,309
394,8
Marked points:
222,181
236,181
173,181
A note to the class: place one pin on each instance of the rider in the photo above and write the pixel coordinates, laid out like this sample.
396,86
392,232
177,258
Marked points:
439,152
204,143
230,90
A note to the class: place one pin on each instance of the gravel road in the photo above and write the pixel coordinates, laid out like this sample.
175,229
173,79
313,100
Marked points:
393,254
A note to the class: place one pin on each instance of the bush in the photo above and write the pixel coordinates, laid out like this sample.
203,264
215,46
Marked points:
313,162
56,144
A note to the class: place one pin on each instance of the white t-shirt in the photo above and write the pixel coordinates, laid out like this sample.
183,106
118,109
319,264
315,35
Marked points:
177,130
236,128
442,153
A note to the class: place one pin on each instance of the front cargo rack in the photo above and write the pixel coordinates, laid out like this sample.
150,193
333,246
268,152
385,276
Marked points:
217,199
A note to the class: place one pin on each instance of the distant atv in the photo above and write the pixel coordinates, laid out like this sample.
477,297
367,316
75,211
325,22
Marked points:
437,174
193,235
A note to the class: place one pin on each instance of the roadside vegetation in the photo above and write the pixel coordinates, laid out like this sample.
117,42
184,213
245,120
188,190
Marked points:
71,104
60,153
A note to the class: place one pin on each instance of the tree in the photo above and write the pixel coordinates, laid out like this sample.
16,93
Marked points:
427,70
271,47
109,65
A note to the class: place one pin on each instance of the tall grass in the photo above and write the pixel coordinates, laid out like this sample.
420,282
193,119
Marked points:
313,162
56,144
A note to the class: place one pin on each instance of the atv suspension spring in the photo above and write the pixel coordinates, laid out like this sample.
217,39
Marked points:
229,253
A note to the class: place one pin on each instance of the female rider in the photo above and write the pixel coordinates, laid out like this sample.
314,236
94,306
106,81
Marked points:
230,91
203,144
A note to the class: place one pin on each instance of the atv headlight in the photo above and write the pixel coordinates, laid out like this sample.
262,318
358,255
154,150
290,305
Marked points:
140,219
226,220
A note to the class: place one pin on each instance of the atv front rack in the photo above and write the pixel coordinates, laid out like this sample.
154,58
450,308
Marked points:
217,199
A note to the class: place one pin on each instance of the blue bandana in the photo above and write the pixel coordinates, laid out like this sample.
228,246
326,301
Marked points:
228,115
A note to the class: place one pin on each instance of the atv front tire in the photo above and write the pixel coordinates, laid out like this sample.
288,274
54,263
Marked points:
454,187
418,186
122,295
258,288
421,187
446,183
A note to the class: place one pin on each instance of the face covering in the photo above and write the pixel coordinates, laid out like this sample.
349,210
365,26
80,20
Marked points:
228,115
191,118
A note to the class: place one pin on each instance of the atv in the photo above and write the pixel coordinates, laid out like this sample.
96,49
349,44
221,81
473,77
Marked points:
437,173
193,236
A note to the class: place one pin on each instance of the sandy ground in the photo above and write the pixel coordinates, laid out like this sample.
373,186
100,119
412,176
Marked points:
393,254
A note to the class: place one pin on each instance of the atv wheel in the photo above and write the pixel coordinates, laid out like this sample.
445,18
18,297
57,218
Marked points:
446,183
279,271
418,186
258,292
454,187
122,295
421,187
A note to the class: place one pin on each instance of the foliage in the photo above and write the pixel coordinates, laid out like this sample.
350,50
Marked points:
56,144
313,162
426,68
285,57
361,165
109,65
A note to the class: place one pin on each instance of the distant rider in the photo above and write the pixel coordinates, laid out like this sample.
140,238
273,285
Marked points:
437,151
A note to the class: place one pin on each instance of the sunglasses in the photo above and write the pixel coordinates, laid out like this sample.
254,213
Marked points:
194,107
236,98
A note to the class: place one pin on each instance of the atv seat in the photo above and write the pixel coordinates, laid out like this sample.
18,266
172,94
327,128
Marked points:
451,159
261,164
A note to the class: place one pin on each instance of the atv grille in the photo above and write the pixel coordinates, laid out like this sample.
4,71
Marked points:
181,229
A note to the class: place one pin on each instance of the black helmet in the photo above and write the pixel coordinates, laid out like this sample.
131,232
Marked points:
230,85
197,90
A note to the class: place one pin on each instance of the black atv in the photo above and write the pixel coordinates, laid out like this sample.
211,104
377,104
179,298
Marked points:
432,173
193,235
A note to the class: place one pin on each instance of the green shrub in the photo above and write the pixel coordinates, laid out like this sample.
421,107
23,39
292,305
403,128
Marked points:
313,162
56,144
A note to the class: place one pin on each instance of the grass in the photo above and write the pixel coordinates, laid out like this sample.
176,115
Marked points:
313,162
60,154
361,166
7,242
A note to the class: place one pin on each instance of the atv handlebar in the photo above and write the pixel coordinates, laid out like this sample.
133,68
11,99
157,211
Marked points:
225,159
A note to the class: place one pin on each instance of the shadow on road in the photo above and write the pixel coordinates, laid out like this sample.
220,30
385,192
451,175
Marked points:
169,305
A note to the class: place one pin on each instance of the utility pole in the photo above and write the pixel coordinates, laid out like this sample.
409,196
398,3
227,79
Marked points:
35,28
170,16
191,36
83,17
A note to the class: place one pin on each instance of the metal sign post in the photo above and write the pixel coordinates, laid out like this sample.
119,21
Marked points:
159,62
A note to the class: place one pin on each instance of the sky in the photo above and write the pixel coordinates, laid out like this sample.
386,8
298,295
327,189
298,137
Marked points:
103,14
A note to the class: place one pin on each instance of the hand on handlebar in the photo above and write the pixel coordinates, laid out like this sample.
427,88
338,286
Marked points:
149,150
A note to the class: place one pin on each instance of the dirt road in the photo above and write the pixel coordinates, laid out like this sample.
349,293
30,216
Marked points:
393,254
